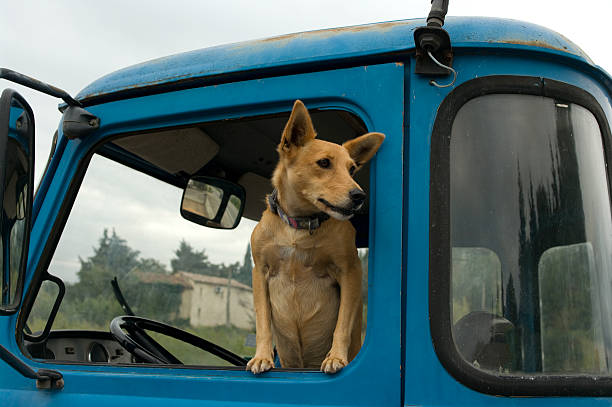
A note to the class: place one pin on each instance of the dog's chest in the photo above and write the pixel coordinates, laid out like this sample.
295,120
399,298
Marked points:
298,260
300,272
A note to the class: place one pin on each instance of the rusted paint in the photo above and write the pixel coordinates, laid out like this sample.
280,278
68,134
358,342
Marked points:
380,27
532,43
324,45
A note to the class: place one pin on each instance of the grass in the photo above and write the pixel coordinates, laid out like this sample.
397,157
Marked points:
231,338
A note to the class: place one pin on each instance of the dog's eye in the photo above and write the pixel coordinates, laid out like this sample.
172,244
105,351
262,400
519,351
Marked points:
352,169
324,163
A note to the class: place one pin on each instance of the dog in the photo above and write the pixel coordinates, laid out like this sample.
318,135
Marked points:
307,274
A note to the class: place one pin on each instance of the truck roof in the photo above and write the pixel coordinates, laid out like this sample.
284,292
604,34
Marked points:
316,50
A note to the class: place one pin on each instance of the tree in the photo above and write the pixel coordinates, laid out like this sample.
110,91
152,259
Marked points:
91,302
113,254
151,265
245,269
190,260
113,257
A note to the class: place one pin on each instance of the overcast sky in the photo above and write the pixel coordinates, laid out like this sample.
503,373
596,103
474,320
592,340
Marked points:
72,43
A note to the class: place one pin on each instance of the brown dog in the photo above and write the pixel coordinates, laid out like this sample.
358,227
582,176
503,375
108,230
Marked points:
307,275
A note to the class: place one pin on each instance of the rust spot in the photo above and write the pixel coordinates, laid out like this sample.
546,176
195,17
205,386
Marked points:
399,64
281,37
532,43
333,31
359,28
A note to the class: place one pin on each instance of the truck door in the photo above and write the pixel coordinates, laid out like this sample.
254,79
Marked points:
132,153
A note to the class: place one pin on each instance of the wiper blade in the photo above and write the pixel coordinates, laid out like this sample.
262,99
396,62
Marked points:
120,298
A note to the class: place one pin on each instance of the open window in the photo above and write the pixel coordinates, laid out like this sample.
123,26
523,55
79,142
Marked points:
126,249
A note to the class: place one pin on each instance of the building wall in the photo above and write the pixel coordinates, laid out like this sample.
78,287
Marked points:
185,307
208,305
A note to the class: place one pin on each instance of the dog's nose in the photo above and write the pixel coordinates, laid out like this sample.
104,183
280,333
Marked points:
357,196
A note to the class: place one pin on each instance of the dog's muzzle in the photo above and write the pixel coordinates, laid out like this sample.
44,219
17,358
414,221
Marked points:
358,197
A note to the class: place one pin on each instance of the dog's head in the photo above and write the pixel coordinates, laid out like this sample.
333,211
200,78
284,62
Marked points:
315,175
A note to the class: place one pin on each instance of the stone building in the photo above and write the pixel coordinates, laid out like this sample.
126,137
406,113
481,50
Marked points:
208,300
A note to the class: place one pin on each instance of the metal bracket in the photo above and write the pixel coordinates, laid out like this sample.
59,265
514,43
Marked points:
437,41
78,122
49,380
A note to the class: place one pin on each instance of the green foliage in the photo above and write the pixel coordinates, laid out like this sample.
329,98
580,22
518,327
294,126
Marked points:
159,301
42,306
230,338
90,303
363,258
476,281
572,338
245,269
151,265
112,253
189,260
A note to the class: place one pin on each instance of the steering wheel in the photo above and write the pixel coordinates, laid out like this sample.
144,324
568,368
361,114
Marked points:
136,341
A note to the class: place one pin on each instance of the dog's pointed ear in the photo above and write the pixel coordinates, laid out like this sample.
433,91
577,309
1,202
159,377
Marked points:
363,148
299,129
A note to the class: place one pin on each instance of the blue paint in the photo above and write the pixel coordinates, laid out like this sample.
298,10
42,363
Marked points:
397,364
331,45
331,89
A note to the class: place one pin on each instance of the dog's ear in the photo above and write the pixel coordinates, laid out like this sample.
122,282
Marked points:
362,148
299,129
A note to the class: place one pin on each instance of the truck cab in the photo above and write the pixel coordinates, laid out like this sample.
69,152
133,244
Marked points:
486,239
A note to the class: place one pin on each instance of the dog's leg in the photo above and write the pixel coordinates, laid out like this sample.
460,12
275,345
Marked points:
264,352
356,334
349,316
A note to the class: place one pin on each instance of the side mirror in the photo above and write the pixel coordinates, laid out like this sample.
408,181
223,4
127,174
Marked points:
16,193
213,202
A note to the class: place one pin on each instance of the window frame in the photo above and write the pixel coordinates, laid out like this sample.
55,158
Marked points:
440,249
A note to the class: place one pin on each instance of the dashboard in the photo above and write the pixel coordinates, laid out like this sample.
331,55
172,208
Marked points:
80,346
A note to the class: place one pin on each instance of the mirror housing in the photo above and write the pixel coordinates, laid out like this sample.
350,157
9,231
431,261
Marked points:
46,306
213,202
16,194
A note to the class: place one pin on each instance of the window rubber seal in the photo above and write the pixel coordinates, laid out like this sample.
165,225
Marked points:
523,385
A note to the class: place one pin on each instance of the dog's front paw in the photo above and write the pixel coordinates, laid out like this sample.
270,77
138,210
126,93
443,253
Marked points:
259,365
333,364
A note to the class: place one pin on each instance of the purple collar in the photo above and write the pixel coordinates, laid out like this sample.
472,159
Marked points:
309,223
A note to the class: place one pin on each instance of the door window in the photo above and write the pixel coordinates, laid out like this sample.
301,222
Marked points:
125,229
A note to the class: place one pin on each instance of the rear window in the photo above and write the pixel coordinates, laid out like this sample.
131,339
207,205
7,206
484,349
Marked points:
528,183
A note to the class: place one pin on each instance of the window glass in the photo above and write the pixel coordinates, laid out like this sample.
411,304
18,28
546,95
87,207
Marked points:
530,232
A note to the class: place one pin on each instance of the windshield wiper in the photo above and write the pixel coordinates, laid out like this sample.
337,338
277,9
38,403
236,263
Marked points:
120,298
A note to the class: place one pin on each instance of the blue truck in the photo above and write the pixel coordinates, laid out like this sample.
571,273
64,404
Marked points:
487,235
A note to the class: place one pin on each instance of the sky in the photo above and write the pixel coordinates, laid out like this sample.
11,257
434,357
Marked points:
72,43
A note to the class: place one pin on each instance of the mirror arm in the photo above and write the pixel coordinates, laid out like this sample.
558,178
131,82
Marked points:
45,378
32,83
